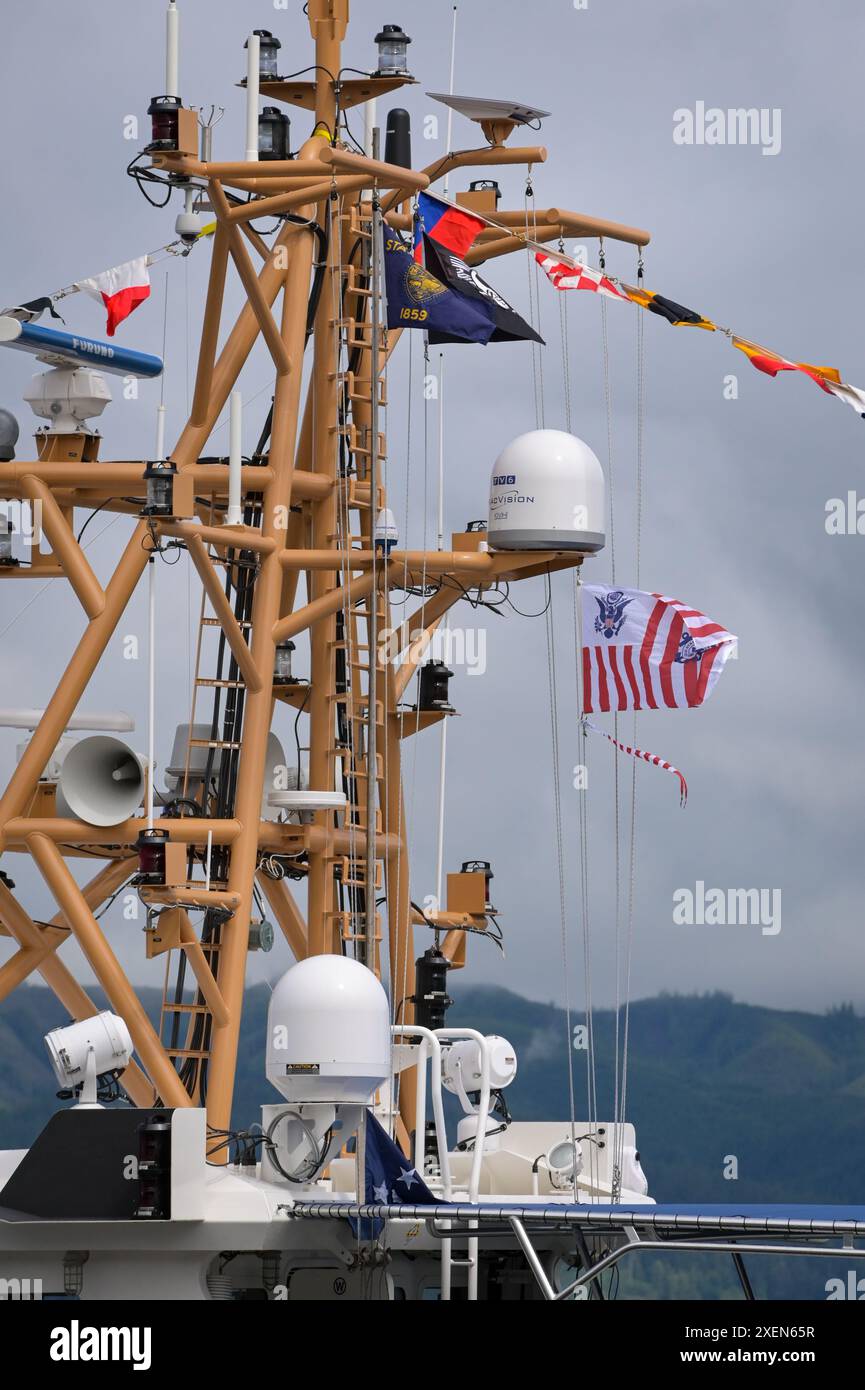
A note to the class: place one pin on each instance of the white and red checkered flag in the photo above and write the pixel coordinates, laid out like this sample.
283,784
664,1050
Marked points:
646,651
578,277
646,757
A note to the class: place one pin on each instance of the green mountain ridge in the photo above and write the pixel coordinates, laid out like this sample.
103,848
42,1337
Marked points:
708,1078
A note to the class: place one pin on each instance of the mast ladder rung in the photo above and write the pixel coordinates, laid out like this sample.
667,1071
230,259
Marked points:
363,452
185,1009
214,622
354,275
214,743
220,684
343,644
363,703
361,772
358,825
360,715
360,883
198,1052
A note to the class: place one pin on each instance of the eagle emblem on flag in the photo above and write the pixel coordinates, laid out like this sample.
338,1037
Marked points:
648,651
612,615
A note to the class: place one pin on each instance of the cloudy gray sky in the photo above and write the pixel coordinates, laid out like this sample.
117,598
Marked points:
735,490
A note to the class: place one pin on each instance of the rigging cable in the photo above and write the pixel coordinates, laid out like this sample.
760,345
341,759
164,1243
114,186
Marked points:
560,857
534,306
444,627
591,1076
640,437
617,867
549,628
591,1070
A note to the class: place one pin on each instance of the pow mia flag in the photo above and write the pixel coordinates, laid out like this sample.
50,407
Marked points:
507,326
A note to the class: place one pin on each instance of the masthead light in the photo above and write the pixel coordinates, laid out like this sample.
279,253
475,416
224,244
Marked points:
282,663
392,51
164,113
268,47
274,129
159,477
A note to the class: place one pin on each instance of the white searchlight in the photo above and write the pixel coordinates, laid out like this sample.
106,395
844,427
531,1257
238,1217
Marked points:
87,1050
565,1163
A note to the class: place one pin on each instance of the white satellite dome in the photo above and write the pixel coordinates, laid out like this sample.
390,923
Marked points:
547,493
328,1032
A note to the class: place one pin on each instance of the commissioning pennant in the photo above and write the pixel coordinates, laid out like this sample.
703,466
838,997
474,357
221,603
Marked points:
641,754
120,289
646,651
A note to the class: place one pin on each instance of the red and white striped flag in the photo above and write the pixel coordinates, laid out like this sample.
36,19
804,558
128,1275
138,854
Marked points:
120,289
646,651
578,277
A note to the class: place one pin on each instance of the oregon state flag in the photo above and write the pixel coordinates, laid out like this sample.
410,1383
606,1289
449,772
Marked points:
417,299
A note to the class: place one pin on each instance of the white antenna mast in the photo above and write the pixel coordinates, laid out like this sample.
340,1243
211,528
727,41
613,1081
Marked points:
234,515
252,92
172,50
151,687
451,91
444,729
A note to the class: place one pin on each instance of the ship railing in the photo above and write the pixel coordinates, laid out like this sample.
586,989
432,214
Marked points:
681,1233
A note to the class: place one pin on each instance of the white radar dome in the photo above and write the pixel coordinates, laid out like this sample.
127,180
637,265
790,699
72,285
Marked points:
547,493
328,1032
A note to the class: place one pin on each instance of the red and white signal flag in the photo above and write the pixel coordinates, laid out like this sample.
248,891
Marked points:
646,651
578,277
120,289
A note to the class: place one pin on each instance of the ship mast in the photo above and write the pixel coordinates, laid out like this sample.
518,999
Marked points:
310,506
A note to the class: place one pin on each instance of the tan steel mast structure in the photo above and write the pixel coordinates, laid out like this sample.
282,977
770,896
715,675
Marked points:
312,511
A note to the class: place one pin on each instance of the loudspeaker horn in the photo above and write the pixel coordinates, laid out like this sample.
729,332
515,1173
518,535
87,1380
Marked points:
102,781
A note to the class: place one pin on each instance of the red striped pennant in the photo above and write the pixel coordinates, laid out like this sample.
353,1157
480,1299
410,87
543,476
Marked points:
646,757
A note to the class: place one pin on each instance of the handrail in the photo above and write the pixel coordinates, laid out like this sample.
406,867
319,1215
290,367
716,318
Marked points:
429,1040
480,1137
430,1043
453,1034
